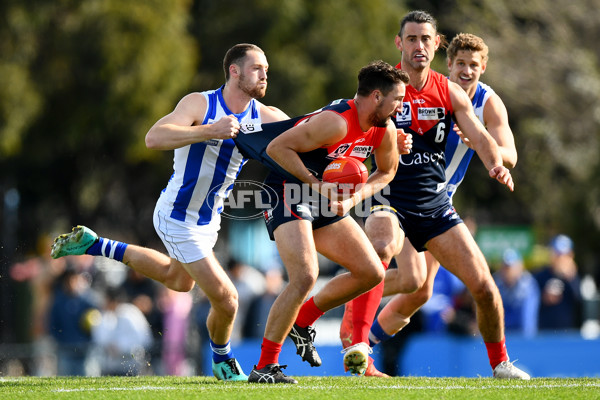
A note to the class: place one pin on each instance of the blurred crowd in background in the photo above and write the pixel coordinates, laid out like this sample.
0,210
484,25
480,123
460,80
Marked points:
90,316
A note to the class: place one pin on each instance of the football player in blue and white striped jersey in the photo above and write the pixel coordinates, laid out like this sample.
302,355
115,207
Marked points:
200,130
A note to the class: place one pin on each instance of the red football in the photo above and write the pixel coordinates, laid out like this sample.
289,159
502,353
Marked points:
347,172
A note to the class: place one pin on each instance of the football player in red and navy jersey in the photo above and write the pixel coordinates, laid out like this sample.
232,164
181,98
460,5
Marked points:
467,57
418,207
297,151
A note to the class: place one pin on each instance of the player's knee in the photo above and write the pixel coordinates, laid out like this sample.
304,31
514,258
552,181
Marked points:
410,280
372,277
305,282
421,296
226,305
230,309
180,282
485,292
384,249
409,284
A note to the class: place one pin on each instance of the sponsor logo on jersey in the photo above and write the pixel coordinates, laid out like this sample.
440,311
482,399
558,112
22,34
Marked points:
341,149
418,101
430,113
250,128
404,118
361,151
421,158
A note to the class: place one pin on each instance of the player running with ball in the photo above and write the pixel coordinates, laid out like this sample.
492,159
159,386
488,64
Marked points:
344,128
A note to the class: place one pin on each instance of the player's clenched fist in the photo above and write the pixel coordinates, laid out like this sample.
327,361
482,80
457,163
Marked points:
226,128
404,142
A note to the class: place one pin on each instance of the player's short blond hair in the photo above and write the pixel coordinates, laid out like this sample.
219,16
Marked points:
468,42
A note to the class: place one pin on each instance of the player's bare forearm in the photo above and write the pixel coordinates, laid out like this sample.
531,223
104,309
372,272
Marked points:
376,182
289,160
387,158
166,135
495,116
509,156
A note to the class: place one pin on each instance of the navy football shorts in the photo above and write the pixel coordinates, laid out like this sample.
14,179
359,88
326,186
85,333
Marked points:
420,227
293,202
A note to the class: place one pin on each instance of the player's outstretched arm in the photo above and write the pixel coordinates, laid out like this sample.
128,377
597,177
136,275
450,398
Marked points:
495,117
183,126
481,141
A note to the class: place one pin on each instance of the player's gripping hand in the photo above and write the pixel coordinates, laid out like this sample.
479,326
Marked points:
462,137
226,128
339,203
327,189
502,175
404,141
341,207
342,203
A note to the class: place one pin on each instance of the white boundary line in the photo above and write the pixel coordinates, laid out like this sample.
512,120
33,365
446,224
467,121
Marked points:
300,386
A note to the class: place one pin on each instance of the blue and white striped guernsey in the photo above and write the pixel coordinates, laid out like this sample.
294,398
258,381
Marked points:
204,172
458,155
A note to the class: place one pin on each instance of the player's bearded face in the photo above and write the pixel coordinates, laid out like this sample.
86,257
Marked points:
379,118
255,88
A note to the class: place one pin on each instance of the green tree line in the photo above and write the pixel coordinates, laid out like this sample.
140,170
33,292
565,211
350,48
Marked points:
83,81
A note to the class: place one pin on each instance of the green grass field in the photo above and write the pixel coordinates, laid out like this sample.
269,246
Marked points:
342,388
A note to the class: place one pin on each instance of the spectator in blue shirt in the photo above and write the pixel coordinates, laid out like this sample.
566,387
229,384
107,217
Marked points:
520,294
68,324
559,283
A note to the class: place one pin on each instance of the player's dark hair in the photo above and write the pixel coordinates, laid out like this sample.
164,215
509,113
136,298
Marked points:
422,17
237,55
379,75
